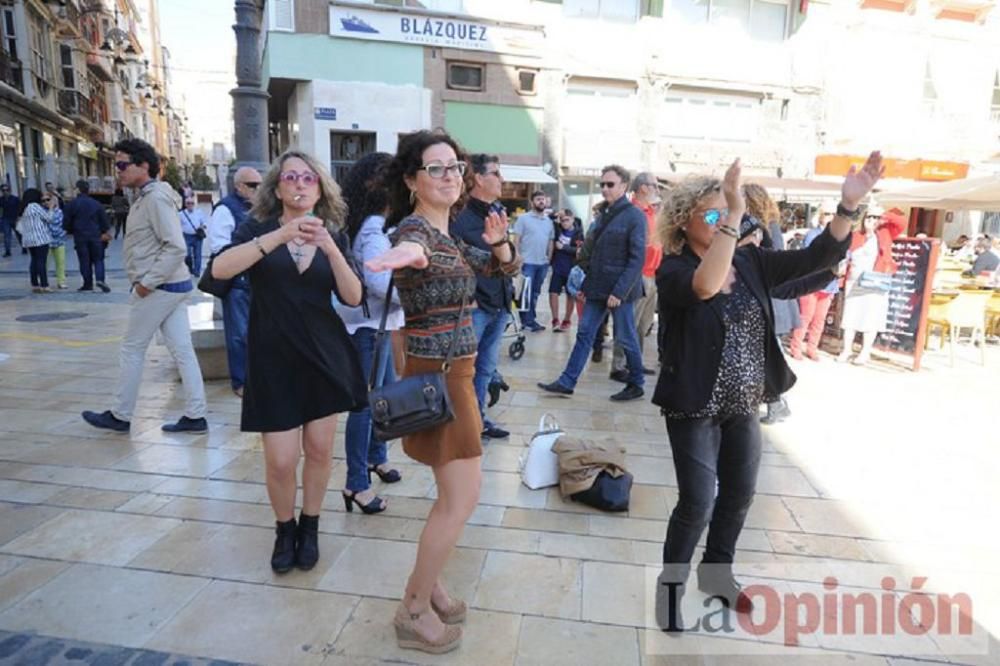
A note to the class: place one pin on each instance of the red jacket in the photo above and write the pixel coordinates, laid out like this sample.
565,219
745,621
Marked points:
891,227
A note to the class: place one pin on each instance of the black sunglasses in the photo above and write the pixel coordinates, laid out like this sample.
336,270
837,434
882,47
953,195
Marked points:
252,186
608,185
121,166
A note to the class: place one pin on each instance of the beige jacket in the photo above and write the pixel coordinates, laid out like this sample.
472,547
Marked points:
581,460
154,245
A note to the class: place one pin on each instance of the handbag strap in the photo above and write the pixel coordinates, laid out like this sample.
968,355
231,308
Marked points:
380,335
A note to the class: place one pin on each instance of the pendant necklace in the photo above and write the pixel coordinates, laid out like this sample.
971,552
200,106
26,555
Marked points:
298,253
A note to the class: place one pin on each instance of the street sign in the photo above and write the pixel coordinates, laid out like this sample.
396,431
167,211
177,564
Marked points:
325,113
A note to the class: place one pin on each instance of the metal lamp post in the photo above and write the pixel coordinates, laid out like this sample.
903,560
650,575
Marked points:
249,99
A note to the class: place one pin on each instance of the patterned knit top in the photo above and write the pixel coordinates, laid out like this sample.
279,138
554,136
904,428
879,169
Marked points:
432,296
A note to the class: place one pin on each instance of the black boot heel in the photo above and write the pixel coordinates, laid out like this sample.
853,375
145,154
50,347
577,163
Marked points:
307,542
283,556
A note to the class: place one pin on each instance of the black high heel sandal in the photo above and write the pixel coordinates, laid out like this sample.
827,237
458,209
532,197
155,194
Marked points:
392,476
377,505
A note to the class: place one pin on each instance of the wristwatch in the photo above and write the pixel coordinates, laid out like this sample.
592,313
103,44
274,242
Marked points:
849,214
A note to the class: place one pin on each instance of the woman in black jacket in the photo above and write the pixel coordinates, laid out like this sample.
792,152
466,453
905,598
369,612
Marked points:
720,358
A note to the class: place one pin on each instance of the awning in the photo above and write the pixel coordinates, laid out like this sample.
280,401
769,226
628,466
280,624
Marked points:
966,194
791,190
517,173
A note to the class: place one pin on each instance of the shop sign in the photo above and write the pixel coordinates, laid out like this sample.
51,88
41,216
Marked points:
926,170
430,30
325,113
87,149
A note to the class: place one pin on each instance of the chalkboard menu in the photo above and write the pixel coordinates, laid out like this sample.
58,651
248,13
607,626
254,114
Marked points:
905,325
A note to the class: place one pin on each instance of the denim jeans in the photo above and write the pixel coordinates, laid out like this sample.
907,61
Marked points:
7,229
37,267
235,319
726,449
537,274
625,333
362,448
90,254
193,253
489,327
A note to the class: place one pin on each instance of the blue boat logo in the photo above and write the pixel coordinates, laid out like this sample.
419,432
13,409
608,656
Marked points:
354,24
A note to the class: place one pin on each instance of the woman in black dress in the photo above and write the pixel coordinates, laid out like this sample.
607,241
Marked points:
301,368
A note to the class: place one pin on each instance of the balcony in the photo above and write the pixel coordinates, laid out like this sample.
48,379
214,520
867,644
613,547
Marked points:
68,22
74,105
120,131
10,71
100,65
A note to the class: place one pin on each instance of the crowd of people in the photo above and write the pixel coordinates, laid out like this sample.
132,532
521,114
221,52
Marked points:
407,268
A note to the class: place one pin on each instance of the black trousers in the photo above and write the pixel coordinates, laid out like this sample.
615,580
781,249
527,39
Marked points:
37,267
90,254
726,449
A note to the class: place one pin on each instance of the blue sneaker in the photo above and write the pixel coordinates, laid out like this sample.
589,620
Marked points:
185,424
106,420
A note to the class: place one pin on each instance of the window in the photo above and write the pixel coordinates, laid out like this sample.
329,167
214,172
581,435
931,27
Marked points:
651,8
702,116
764,20
930,91
68,75
346,148
40,56
281,15
526,81
9,33
613,10
464,76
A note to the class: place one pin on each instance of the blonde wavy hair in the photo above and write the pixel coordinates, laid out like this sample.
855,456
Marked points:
675,210
760,204
330,208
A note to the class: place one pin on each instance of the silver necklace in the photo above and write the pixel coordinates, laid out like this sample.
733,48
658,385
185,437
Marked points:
298,253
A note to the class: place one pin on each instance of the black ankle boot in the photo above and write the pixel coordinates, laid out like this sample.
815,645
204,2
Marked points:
716,580
307,542
283,557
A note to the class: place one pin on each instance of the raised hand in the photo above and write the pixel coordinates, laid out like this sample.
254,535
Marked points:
314,232
731,190
496,227
859,182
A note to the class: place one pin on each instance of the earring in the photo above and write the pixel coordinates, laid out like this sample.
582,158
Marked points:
413,196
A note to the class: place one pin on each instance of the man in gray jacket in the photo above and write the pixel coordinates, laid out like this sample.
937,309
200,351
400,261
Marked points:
161,284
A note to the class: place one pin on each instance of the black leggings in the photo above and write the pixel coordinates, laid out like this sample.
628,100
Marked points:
37,267
726,449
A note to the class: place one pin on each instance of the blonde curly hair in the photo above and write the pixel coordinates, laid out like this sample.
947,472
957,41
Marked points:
760,204
675,211
330,208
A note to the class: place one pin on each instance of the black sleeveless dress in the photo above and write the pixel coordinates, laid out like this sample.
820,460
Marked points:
301,365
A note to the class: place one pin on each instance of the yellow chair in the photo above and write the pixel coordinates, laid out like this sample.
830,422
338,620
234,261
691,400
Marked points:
966,310
993,315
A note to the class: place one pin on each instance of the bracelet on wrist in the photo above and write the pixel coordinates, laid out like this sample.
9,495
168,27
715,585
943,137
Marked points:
500,243
729,231
260,246
844,211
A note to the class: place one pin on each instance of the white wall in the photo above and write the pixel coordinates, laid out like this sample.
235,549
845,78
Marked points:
365,107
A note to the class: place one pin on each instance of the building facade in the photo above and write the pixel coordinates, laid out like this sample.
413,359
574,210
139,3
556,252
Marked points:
72,83
559,88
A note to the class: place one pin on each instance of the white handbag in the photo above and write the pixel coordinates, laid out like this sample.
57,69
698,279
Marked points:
539,465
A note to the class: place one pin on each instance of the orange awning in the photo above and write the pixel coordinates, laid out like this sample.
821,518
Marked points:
926,170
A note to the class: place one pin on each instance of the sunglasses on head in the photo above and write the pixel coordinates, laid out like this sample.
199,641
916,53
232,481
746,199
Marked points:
438,170
121,166
307,177
713,215
607,185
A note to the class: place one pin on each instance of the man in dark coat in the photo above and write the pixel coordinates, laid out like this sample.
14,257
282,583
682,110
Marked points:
612,256
85,218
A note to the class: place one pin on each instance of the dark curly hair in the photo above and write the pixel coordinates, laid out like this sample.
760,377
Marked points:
410,157
363,191
140,151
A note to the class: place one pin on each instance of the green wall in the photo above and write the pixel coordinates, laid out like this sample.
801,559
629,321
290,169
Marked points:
321,57
491,128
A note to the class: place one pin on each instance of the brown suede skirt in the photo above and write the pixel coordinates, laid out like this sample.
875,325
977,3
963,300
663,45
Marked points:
456,439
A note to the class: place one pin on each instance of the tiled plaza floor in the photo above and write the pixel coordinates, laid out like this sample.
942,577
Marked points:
160,543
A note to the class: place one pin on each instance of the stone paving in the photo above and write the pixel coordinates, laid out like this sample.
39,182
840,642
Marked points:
158,544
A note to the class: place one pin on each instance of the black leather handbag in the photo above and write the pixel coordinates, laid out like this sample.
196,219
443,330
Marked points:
414,403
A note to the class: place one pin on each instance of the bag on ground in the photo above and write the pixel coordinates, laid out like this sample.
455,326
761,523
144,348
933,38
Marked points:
539,464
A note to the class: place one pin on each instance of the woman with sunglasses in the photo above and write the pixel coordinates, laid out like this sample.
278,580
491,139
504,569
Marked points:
436,278
301,367
720,358
37,213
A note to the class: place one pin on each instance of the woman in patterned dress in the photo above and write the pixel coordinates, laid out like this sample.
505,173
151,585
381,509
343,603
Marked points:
436,278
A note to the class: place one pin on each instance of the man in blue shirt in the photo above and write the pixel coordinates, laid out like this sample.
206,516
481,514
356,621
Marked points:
86,219
534,236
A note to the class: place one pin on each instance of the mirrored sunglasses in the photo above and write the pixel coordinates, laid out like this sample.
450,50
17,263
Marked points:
713,215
